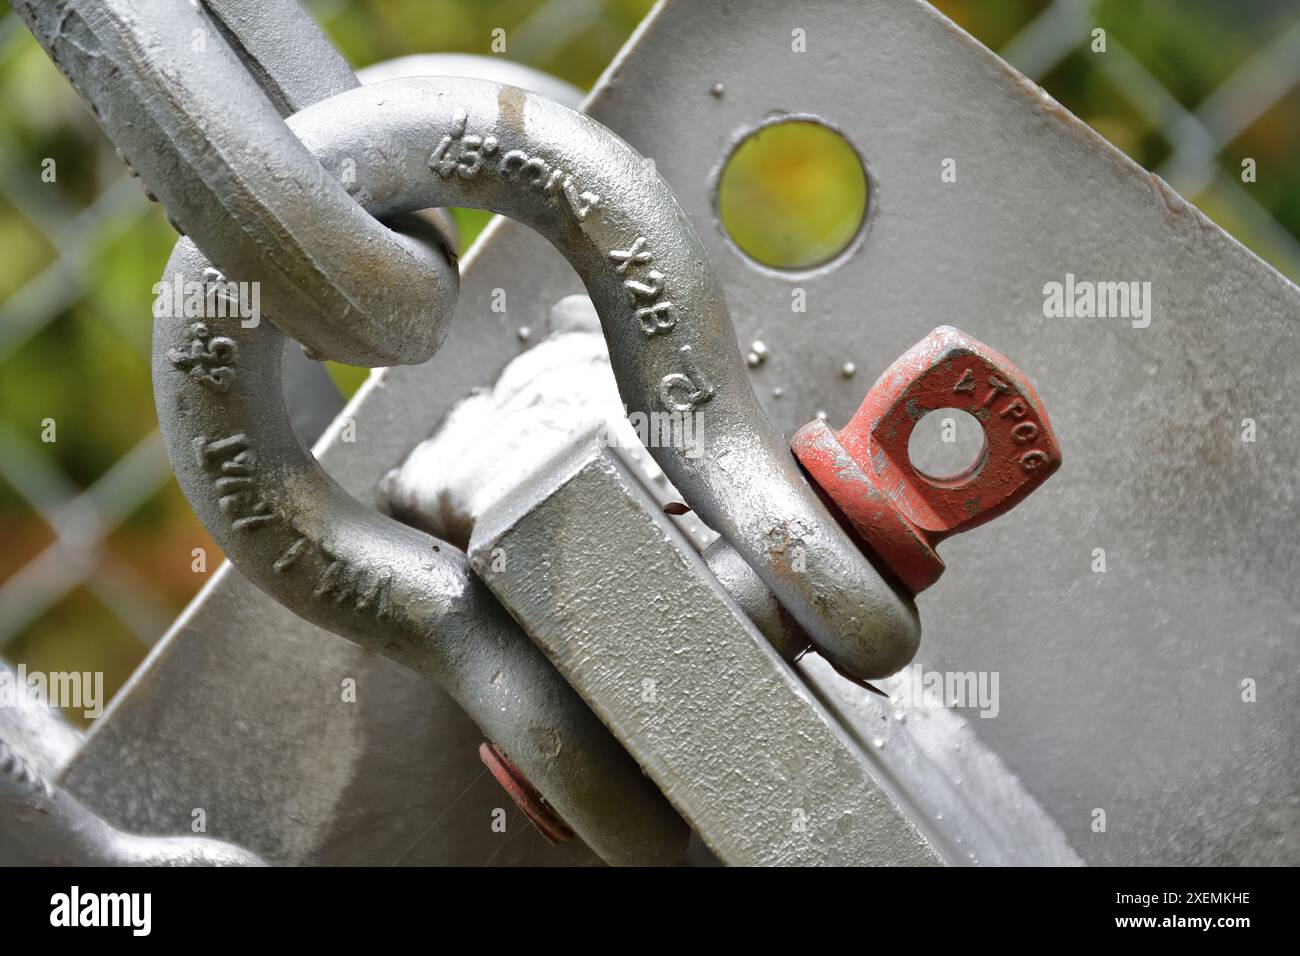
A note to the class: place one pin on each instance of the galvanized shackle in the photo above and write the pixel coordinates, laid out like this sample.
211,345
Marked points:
292,531
420,142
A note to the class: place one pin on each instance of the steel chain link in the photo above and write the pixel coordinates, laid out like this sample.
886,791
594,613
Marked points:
206,139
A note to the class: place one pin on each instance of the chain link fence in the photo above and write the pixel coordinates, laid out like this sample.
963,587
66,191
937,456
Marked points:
100,549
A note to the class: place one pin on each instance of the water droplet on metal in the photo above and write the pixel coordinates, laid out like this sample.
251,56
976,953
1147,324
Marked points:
717,89
525,333
848,370
778,392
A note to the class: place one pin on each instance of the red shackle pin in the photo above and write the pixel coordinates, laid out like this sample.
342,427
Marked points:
867,473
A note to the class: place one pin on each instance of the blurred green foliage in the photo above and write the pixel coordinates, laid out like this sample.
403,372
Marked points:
793,194
1192,46
95,257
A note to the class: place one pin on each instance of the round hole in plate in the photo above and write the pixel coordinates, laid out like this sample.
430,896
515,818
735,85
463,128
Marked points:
793,194
946,444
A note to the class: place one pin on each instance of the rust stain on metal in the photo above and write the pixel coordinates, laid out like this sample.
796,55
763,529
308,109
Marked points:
524,794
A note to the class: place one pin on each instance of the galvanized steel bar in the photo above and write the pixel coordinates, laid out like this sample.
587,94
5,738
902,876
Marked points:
753,761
